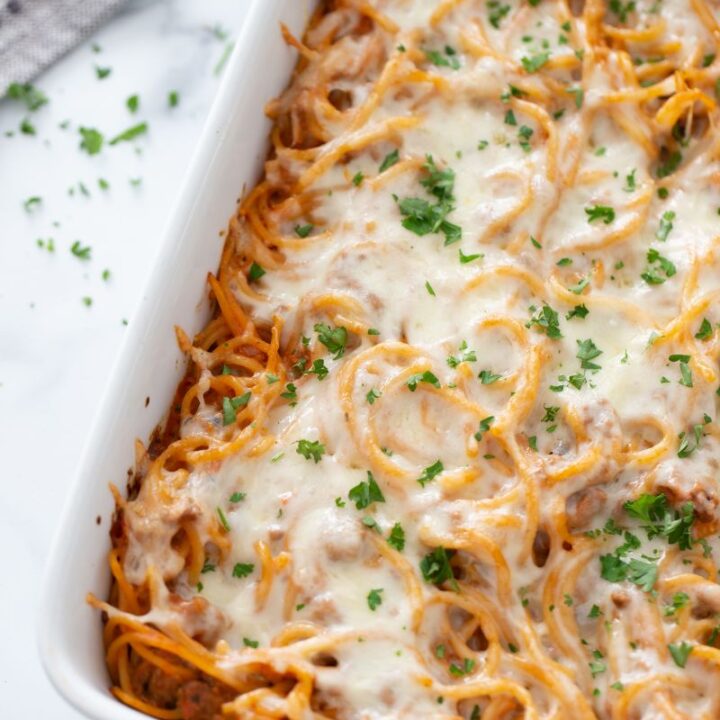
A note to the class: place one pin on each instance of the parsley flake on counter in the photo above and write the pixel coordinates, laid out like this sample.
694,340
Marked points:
311,449
173,98
83,252
28,94
102,72
92,140
130,134
31,203
133,103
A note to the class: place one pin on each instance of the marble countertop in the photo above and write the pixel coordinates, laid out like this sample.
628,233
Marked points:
63,315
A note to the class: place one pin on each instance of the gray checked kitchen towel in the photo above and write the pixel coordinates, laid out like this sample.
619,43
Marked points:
35,33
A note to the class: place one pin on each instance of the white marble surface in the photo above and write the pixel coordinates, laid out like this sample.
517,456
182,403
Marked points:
55,352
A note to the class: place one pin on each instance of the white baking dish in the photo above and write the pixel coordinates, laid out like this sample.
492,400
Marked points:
228,160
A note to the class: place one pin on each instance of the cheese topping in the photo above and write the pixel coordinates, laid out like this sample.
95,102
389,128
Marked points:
449,447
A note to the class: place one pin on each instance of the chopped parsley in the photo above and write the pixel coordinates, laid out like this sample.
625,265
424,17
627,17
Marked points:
600,212
435,566
290,394
303,231
333,338
247,642
230,406
130,134
466,668
422,218
705,331
680,653
372,396
588,351
485,424
685,372
241,570
358,177
670,165
83,252
389,160
255,272
448,58
535,62
430,473
133,103
374,599
666,225
487,377
366,492
426,377
579,311
92,140
223,520
28,94
657,265
496,12
396,539
237,497
311,449
547,320
661,521
466,356
630,183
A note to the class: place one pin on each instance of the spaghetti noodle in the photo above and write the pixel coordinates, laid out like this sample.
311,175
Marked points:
449,446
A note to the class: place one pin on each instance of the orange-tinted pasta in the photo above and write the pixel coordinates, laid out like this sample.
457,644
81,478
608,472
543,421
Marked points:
448,447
